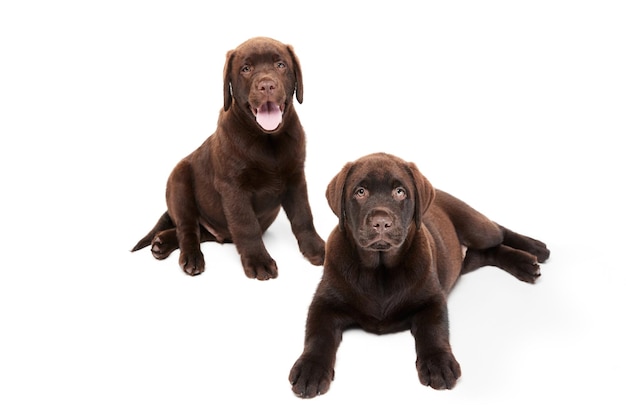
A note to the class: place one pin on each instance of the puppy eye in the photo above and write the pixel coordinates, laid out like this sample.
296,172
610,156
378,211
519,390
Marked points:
246,69
281,64
360,192
399,193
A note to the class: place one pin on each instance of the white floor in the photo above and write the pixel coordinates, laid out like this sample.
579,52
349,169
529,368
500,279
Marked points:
519,110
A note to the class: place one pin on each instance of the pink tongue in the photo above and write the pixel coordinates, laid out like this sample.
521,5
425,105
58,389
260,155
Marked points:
269,116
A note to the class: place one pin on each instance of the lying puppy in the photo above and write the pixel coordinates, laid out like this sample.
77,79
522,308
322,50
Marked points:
398,249
232,187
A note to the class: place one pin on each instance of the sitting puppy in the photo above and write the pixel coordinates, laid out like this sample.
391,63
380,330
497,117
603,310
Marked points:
398,249
232,187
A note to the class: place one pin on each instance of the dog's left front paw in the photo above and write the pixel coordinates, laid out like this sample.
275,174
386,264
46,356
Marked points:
439,371
314,249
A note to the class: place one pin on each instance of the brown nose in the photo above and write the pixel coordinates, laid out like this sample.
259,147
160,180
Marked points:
267,86
380,220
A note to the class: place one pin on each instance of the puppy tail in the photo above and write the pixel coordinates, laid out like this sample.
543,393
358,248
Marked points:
164,222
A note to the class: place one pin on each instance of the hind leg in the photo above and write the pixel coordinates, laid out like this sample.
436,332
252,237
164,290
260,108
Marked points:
490,244
518,255
524,243
475,230
522,265
165,242
164,222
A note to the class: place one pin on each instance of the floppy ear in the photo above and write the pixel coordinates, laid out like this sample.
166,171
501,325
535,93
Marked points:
335,193
228,94
425,193
298,71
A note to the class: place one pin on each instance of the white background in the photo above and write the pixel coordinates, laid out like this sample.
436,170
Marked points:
516,107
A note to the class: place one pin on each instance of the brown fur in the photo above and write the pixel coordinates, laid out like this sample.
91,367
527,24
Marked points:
232,187
398,250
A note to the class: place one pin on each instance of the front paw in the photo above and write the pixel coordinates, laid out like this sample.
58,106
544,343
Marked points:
192,262
314,249
310,378
261,267
439,371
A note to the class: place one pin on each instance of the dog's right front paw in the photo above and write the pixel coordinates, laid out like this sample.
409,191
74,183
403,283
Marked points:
310,378
192,263
259,267
439,371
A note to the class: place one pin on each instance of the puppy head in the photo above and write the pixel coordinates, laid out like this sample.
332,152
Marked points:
378,198
261,76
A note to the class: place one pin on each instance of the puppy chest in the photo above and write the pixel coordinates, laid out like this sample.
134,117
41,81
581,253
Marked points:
385,300
382,316
262,183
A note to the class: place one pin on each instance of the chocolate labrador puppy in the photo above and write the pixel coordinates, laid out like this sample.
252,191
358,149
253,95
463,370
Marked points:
232,187
398,250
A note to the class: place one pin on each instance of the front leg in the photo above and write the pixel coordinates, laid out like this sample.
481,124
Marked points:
313,372
182,209
296,205
436,365
247,234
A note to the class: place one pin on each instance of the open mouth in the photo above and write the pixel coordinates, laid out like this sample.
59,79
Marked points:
269,115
